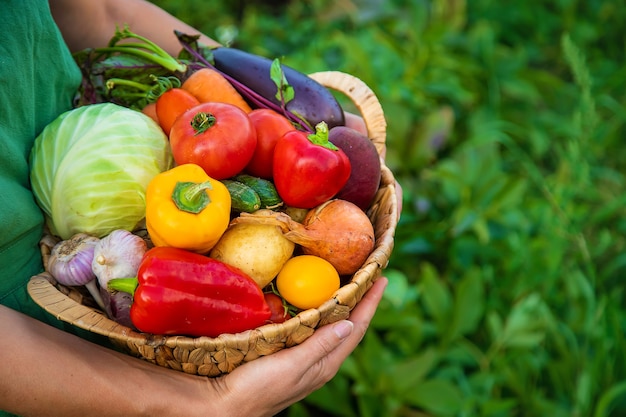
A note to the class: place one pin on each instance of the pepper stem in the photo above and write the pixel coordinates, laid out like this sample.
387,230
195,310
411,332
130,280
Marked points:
191,196
202,121
320,137
128,285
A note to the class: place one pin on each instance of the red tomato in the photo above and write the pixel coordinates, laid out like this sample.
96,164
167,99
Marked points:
308,169
217,136
277,307
270,126
172,104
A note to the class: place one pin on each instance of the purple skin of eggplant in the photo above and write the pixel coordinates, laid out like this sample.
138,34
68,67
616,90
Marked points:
365,165
312,101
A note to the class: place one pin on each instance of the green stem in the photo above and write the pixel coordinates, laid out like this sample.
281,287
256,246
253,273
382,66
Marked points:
128,285
167,62
150,92
201,122
126,33
191,196
114,82
141,45
320,137
145,48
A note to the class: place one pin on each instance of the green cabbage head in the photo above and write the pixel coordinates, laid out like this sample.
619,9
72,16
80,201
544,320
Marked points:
90,168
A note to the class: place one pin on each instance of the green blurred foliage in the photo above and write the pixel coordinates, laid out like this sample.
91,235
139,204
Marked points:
506,122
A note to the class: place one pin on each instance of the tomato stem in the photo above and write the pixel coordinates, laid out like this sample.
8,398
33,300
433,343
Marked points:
202,121
248,93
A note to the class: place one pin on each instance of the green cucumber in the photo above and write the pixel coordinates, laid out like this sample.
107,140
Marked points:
243,198
264,188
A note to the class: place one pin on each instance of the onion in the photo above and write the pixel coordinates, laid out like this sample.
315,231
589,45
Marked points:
337,230
70,263
118,305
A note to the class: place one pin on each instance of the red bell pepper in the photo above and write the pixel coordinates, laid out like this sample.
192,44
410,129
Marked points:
178,292
309,169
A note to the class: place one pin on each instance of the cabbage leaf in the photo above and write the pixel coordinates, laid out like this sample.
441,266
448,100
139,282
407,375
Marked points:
90,168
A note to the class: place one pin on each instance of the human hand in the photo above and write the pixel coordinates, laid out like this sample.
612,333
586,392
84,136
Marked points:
267,385
275,382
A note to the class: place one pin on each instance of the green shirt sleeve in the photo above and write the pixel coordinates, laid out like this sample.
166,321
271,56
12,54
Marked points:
38,80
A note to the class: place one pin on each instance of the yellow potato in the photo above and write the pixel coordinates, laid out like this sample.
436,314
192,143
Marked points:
259,250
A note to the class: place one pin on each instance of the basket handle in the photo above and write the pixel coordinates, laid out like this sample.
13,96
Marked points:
363,98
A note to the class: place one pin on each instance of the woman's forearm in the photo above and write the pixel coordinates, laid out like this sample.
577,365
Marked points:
92,23
49,372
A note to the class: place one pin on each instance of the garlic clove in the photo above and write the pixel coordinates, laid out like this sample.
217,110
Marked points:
118,255
70,260
70,263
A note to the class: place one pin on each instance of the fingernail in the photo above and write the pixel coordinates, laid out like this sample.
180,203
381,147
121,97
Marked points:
343,329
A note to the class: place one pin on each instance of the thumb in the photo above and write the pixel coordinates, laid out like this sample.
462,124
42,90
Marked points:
333,343
323,342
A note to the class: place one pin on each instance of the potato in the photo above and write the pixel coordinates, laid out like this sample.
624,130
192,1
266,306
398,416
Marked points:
259,250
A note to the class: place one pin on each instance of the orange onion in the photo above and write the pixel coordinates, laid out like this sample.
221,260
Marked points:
337,230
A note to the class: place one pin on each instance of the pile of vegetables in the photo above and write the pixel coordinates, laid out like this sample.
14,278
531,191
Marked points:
203,194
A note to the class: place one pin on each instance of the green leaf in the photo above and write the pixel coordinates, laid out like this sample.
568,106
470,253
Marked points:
398,291
527,323
606,402
498,407
324,398
495,325
284,92
436,296
436,396
468,307
412,371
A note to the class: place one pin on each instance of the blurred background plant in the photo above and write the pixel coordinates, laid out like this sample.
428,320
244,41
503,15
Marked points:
506,123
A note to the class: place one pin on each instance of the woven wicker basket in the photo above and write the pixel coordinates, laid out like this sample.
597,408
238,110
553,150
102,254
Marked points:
220,355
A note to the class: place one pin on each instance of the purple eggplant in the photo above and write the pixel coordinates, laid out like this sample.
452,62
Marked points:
312,101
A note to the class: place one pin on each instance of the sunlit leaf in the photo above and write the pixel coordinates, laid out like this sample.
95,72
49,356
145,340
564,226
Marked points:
436,296
413,371
468,305
436,396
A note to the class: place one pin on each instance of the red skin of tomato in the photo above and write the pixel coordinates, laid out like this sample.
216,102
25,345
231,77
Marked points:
270,126
223,148
275,303
306,174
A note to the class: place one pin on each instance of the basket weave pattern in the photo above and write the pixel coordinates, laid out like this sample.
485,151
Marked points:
216,356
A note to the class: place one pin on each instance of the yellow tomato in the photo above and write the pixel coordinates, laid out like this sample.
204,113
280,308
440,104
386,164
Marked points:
306,281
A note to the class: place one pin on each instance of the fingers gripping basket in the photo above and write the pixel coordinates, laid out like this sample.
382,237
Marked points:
220,355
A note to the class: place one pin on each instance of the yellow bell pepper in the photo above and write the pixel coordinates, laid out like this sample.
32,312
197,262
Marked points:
187,209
